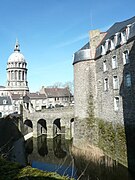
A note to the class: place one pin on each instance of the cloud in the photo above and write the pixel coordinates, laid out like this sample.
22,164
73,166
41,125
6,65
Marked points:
72,41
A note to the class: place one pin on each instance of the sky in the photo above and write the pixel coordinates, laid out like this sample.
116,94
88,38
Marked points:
51,31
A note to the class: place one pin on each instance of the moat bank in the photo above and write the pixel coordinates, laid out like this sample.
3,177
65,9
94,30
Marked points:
114,139
59,155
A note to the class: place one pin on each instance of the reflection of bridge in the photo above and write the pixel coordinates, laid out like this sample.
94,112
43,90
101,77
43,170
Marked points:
49,121
50,154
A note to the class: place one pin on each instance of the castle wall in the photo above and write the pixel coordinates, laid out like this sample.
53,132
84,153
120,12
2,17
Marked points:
84,88
97,121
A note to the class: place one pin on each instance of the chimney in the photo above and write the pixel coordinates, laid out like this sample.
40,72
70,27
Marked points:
95,39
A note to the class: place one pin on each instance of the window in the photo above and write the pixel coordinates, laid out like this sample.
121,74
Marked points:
119,39
4,101
114,62
125,57
19,75
103,50
12,75
106,84
104,66
127,80
115,82
123,36
116,103
112,44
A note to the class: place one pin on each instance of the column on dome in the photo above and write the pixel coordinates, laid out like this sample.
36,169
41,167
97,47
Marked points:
19,75
15,75
23,75
8,76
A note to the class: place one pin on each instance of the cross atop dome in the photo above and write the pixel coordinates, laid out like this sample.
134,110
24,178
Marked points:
17,46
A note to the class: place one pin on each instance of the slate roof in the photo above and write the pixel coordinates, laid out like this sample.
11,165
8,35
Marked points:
16,96
36,96
86,46
57,92
2,86
117,27
7,98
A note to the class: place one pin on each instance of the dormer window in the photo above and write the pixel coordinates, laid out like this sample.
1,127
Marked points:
109,45
116,39
119,39
123,37
103,50
112,44
128,30
106,45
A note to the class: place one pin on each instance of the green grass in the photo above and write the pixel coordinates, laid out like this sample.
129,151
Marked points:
14,171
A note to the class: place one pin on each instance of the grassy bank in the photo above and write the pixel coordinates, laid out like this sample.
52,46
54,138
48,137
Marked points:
14,171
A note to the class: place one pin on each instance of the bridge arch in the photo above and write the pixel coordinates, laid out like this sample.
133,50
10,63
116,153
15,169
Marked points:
56,127
41,127
28,126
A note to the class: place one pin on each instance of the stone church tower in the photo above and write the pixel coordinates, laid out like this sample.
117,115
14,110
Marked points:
17,72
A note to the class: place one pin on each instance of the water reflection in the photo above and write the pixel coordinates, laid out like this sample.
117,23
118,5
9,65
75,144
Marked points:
58,150
55,155
50,155
42,145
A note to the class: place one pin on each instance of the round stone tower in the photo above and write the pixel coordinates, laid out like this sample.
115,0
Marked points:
85,87
17,72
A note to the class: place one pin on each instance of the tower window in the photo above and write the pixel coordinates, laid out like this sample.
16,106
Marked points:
115,82
106,85
125,57
114,62
104,66
116,103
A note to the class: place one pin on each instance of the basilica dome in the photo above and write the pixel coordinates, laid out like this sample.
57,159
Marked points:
16,56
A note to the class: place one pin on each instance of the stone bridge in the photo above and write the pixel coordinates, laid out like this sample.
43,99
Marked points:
49,121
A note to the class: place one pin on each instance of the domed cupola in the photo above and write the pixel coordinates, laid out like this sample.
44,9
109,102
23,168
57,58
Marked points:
17,71
16,56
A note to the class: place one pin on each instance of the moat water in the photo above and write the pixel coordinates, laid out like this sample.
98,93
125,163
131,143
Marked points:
55,155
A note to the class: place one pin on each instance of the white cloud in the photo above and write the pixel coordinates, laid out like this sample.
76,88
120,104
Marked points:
72,41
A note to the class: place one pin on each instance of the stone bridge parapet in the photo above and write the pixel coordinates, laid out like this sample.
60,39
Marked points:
50,121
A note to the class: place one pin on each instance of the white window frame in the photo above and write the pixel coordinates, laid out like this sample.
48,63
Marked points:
124,36
4,101
106,84
114,62
115,82
104,66
116,103
125,59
